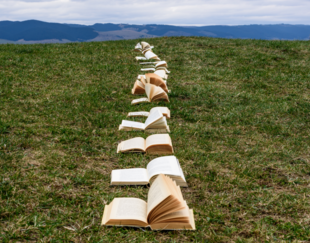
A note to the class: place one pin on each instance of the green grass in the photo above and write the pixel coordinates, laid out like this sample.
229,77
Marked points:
240,128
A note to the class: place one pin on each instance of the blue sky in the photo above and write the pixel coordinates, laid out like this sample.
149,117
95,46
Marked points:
194,12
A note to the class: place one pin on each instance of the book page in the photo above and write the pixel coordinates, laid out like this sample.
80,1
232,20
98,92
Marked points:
134,143
162,122
153,117
155,139
181,171
129,175
133,124
160,73
128,209
141,58
163,110
142,81
139,76
158,192
148,63
139,113
147,69
148,90
140,100
183,213
161,63
149,54
167,165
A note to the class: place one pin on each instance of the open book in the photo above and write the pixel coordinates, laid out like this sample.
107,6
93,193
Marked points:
156,122
143,46
168,165
165,209
164,110
150,78
154,144
153,93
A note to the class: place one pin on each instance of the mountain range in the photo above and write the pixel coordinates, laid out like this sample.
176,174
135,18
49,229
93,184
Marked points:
34,31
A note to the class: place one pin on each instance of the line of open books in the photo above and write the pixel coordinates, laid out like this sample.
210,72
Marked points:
165,208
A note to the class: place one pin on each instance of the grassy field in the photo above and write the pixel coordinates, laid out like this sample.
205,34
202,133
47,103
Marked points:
240,128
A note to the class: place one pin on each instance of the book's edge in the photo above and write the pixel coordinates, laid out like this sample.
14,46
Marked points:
129,183
119,147
105,211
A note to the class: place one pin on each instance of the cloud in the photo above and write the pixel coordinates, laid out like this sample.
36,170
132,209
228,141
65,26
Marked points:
207,12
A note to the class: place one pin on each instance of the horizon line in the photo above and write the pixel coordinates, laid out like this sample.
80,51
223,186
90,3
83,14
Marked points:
181,25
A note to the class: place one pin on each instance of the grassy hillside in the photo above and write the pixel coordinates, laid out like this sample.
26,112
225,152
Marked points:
240,128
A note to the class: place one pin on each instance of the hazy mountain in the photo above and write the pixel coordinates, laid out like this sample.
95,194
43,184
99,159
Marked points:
33,31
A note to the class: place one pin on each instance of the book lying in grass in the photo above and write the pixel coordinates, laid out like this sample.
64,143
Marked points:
154,144
165,209
143,46
168,165
151,78
153,93
156,122
164,110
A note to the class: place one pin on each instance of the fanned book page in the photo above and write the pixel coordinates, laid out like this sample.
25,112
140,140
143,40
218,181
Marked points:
165,209
155,121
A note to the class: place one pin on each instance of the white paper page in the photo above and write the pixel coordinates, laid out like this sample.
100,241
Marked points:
133,124
140,100
158,192
149,54
165,69
139,76
133,143
160,73
139,113
129,175
153,117
128,208
155,139
147,69
138,46
181,171
161,122
161,63
141,58
163,110
167,165
145,63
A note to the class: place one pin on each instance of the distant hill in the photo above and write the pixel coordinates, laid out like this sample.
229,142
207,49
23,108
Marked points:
33,31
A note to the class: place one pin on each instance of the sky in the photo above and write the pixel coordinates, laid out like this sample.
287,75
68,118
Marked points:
175,12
